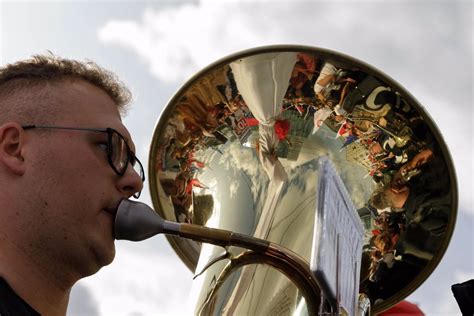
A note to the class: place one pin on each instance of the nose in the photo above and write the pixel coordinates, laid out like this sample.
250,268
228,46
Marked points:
130,184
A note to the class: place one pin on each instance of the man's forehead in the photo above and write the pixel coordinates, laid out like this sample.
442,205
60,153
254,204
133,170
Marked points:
82,100
84,104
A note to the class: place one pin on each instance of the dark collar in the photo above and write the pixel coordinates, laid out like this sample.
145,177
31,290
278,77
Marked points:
11,304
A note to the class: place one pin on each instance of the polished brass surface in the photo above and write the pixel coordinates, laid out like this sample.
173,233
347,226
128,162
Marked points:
273,288
237,148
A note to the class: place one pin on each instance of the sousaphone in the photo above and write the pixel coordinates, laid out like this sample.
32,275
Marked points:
244,145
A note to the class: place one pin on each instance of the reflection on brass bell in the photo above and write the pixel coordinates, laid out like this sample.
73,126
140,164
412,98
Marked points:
222,157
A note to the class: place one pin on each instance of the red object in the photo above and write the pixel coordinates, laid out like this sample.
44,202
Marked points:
282,127
194,183
403,308
251,121
198,163
299,108
345,129
376,232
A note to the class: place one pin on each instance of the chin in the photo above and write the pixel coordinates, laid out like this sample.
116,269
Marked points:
107,256
101,256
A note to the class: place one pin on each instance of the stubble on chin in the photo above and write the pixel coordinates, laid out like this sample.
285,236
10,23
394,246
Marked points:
101,257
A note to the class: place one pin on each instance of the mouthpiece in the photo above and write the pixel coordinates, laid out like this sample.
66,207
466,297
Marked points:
136,221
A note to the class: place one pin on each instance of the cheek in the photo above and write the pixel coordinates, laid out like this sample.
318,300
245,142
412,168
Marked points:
73,172
69,193
76,179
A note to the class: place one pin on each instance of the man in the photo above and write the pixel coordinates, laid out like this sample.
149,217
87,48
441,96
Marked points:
65,163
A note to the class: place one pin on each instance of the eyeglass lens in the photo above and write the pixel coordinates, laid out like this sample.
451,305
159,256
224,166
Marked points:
119,152
120,155
139,169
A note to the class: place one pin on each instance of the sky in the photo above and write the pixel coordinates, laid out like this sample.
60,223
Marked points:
155,46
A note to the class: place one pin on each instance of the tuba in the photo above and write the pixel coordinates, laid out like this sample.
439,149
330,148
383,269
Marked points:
254,152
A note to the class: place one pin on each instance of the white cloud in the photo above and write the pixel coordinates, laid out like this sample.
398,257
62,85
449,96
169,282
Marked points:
165,40
463,275
235,158
82,302
141,282
233,188
178,41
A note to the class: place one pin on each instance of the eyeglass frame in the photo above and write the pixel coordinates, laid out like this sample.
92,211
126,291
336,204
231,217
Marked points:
131,157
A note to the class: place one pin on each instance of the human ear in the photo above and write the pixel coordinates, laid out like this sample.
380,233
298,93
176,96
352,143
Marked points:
11,148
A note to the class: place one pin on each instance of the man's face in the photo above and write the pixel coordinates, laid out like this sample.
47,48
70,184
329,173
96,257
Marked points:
74,190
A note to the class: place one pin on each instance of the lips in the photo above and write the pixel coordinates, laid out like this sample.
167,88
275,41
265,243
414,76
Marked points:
112,207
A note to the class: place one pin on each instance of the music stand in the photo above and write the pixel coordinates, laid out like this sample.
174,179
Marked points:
337,242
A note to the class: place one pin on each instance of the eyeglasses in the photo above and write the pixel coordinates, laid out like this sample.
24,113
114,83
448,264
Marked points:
119,154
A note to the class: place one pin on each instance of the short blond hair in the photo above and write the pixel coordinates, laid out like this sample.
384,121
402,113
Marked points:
32,76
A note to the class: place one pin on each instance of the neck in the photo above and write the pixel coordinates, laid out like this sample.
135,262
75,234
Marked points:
44,289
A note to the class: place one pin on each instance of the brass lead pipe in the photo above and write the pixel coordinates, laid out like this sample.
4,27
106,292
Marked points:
222,237
291,264
136,221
